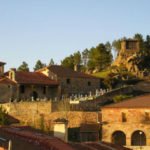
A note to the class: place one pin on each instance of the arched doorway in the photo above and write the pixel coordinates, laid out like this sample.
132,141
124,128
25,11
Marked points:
119,138
138,138
34,95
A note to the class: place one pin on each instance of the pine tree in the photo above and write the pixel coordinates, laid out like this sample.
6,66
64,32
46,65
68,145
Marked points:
39,65
23,67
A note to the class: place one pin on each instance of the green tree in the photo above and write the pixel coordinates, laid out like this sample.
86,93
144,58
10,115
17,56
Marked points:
23,67
77,58
100,57
109,57
51,62
39,65
116,44
119,98
85,57
139,37
3,117
68,62
91,62
146,46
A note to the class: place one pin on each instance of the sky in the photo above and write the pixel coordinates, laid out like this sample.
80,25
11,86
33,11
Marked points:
45,29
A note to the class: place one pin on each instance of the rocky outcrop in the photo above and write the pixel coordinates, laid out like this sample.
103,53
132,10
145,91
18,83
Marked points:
133,60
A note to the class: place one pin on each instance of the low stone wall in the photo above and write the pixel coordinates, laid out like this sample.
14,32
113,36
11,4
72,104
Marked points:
28,108
38,114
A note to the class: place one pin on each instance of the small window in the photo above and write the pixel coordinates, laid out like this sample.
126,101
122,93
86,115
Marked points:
44,90
124,118
89,83
68,81
22,89
147,118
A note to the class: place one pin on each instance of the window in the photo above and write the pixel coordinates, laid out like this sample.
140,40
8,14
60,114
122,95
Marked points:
68,81
22,89
44,90
130,45
89,83
124,118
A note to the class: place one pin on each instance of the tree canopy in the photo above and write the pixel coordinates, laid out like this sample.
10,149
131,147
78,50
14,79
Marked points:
39,65
23,67
97,58
51,62
68,62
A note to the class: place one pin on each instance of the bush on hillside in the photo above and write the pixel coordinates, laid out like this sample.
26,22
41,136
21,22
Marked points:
3,117
119,98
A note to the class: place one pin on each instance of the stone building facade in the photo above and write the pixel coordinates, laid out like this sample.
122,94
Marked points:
53,82
72,82
128,123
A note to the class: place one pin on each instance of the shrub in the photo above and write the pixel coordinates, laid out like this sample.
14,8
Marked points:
3,117
119,98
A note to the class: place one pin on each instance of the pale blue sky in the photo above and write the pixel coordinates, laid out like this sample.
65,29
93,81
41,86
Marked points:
44,29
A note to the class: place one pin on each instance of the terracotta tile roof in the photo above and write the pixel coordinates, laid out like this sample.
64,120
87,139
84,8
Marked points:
43,141
6,80
97,146
89,127
34,78
118,147
136,102
81,146
66,72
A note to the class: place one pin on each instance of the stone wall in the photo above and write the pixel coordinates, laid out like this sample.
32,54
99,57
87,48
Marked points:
6,92
32,113
76,85
50,92
27,108
79,85
135,120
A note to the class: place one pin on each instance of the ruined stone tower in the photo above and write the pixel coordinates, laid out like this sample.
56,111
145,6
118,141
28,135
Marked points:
129,48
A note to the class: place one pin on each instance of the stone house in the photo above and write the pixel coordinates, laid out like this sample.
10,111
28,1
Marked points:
128,122
17,85
51,82
71,82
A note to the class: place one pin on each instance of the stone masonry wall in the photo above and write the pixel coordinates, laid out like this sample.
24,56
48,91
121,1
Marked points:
6,92
135,120
27,108
79,85
30,113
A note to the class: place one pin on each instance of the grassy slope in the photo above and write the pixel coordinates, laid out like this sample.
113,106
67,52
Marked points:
102,74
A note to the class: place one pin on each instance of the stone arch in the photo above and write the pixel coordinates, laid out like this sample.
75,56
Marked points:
119,138
138,138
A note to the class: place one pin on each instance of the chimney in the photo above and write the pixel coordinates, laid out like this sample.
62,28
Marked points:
12,74
2,68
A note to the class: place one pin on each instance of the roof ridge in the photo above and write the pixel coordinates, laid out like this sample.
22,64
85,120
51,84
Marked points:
124,101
